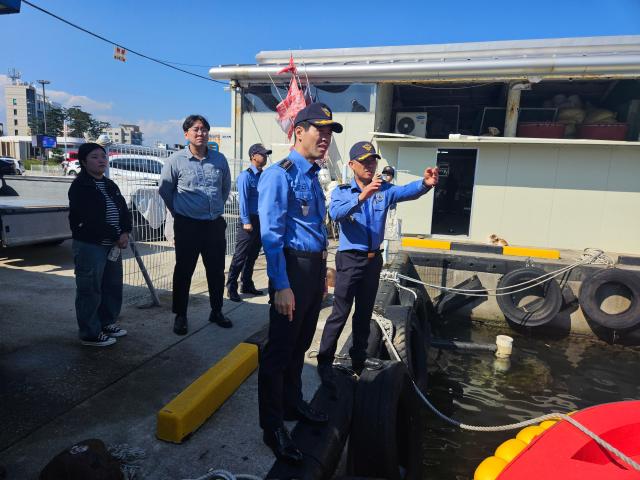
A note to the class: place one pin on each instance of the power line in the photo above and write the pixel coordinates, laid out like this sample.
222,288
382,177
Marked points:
100,37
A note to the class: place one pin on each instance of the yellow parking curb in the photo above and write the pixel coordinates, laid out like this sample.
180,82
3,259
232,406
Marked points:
426,243
191,408
531,252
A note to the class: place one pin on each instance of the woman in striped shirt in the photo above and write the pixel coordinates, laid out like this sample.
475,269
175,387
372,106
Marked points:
100,226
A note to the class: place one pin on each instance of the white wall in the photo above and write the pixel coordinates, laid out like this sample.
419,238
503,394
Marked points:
555,196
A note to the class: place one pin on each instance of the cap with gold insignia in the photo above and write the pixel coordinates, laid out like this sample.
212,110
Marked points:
319,115
361,151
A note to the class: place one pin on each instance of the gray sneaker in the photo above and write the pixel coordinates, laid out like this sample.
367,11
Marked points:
114,331
102,341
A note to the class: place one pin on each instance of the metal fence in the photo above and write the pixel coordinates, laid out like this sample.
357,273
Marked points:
136,170
45,170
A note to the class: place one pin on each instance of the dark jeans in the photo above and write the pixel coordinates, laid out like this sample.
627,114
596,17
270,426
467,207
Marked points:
356,277
248,246
98,288
194,238
282,359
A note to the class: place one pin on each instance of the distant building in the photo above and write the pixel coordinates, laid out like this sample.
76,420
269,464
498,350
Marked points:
166,146
25,109
22,113
222,137
125,133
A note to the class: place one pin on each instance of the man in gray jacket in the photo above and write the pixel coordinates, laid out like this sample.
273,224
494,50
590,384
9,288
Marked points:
195,185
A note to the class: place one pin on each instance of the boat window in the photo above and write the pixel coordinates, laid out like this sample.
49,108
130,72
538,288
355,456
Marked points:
356,97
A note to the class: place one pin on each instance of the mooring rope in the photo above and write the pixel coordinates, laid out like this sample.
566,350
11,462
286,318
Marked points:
590,256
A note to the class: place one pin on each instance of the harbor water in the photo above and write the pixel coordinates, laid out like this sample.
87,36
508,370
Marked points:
542,376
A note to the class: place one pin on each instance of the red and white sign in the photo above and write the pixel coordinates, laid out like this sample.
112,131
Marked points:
120,53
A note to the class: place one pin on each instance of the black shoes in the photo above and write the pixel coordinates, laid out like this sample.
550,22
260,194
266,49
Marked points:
327,376
283,447
180,325
252,290
220,319
306,413
232,293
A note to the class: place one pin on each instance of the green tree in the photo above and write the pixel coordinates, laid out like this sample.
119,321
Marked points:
81,122
55,121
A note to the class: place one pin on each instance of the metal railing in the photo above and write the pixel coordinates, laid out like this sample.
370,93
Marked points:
45,170
136,171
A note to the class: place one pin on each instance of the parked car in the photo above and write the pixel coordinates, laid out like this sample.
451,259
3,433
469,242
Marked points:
72,167
138,177
11,166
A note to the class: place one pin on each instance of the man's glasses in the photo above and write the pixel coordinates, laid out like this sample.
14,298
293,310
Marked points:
199,130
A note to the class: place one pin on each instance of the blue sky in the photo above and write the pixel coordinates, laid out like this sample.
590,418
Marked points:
82,71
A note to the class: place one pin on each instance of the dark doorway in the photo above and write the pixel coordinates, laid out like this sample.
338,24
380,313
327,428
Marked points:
452,201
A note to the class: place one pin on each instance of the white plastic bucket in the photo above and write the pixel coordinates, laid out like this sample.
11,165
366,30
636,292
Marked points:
505,346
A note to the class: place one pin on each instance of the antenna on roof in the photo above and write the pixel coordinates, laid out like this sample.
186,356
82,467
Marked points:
14,75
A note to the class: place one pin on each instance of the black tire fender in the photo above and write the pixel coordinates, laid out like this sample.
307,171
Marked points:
588,298
544,311
387,426
411,342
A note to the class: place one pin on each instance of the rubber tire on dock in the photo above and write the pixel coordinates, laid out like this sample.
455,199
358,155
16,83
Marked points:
411,341
589,303
387,426
549,308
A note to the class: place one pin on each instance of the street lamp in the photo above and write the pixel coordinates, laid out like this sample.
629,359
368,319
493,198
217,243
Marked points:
44,102
44,117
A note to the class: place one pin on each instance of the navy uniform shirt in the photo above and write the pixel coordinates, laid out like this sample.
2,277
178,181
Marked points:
292,210
362,223
193,188
247,185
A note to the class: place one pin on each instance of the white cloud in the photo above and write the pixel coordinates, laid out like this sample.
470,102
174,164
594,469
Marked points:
63,98
68,100
169,131
165,131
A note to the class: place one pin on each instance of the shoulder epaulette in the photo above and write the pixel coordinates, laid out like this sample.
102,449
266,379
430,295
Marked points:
344,185
286,164
248,170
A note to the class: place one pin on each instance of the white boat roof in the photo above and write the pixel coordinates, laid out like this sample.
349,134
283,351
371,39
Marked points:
580,57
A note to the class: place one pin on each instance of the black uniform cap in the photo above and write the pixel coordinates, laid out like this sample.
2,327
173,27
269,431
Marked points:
319,115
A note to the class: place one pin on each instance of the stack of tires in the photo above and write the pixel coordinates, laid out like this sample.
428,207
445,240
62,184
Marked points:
387,426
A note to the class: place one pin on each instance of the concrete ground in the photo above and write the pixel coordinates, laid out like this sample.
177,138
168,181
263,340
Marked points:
55,392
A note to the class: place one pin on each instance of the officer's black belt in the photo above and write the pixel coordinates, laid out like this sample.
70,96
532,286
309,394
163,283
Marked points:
304,254
364,253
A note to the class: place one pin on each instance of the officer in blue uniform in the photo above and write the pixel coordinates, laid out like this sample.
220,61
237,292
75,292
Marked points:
360,208
248,242
292,210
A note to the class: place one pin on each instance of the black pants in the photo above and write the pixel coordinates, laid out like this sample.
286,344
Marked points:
248,246
194,238
356,277
281,361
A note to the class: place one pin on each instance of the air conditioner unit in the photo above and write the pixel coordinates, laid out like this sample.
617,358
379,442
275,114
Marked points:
412,123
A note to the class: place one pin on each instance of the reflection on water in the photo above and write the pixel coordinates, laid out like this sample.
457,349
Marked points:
541,377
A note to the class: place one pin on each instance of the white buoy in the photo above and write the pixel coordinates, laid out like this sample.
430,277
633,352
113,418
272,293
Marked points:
505,346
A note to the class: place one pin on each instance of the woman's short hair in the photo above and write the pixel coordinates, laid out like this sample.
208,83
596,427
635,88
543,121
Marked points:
84,151
191,119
